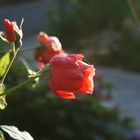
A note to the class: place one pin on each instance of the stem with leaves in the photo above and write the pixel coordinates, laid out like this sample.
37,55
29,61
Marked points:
16,44
14,54
44,71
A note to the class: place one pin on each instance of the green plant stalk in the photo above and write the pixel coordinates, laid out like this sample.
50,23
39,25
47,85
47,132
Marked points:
23,84
28,81
12,60
133,11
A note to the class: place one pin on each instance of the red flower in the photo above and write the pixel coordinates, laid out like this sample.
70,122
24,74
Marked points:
10,28
50,47
70,75
51,42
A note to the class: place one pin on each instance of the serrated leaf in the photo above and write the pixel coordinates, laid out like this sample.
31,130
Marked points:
4,62
1,136
15,133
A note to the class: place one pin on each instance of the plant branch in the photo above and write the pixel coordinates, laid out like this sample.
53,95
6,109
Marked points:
12,60
28,81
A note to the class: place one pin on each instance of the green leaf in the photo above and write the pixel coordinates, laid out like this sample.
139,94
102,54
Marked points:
3,103
15,133
21,24
19,35
30,72
27,66
4,62
1,136
4,45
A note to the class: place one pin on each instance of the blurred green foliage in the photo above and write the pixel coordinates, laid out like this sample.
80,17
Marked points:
73,19
126,55
83,25
45,116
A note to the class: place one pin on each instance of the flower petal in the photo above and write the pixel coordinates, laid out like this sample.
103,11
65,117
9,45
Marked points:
65,94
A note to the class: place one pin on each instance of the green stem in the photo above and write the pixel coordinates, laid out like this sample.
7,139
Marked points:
131,4
12,60
28,81
23,84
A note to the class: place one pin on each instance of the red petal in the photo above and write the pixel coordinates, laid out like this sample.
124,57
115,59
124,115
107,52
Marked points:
42,37
65,95
9,29
40,65
76,57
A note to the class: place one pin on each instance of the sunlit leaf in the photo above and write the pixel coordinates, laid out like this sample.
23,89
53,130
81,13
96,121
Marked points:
15,133
1,136
3,103
4,62
21,24
19,35
30,71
